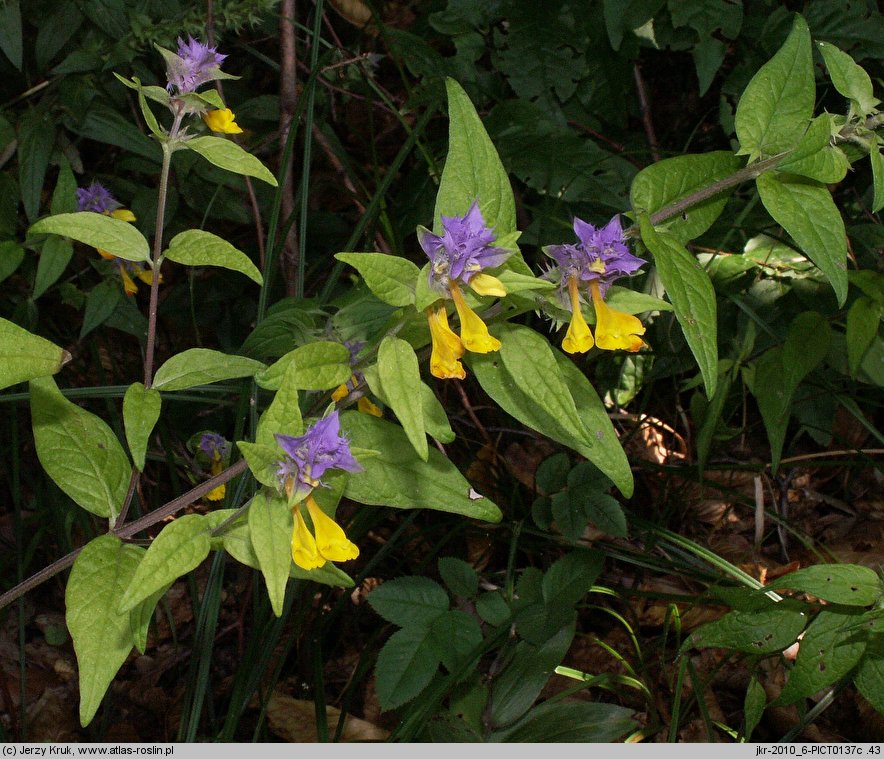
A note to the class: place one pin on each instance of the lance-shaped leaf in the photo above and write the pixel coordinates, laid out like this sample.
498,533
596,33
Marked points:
398,478
141,409
78,451
115,236
693,298
180,547
283,415
778,101
25,356
847,584
400,377
473,169
318,366
202,366
263,461
391,278
198,248
850,79
11,256
102,635
270,526
668,181
877,175
228,155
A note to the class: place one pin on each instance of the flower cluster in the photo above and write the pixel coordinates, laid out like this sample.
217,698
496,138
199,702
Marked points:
307,458
217,450
598,258
459,257
98,199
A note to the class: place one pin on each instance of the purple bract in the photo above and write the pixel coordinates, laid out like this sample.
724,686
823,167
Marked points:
194,65
96,197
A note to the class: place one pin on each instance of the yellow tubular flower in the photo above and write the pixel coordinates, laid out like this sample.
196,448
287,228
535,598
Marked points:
615,329
473,331
578,339
447,347
222,121
128,284
304,550
485,284
342,391
123,214
216,494
365,406
331,541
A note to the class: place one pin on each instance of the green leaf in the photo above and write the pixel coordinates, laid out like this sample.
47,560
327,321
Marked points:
228,155
571,722
473,170
10,32
807,212
115,236
400,378
318,366
815,157
64,196
778,101
634,302
693,297
606,513
753,706
870,673
11,256
455,636
55,255
36,139
270,527
753,632
849,79
459,576
877,176
862,327
102,635
25,356
569,578
202,366
391,278
327,574
141,410
283,415
406,665
828,652
180,547
847,584
672,179
515,283
198,248
397,478
78,451
263,461
409,601
434,416
101,302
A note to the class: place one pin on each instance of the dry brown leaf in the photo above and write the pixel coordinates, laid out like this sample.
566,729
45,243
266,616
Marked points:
294,720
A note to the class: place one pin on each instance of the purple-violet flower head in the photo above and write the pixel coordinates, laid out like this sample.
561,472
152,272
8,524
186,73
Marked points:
311,455
195,64
211,443
96,197
600,255
464,249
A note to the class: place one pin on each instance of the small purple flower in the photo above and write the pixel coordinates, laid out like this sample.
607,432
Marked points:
96,197
212,443
309,456
600,255
195,64
464,249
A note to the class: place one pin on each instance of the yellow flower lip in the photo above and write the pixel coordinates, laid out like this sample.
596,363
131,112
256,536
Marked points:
304,550
331,541
447,346
615,330
222,121
578,339
473,331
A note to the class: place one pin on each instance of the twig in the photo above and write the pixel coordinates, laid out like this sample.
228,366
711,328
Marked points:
644,105
288,99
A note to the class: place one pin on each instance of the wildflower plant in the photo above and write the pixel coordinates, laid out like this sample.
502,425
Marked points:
304,452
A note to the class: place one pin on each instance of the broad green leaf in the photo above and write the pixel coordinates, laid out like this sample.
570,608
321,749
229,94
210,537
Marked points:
634,302
435,418
456,637
180,547
398,478
115,236
753,706
64,196
514,282
101,302
202,366
36,139
228,155
405,666
25,356
400,377
141,410
318,366
198,248
569,578
607,514
817,136
877,176
848,584
55,255
849,79
141,615
672,179
863,319
753,632
327,574
11,256
473,170
778,101
409,601
460,577
78,451
828,651
102,635
571,722
263,461
283,415
814,156
870,673
270,527
10,32
391,278
807,212
693,298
